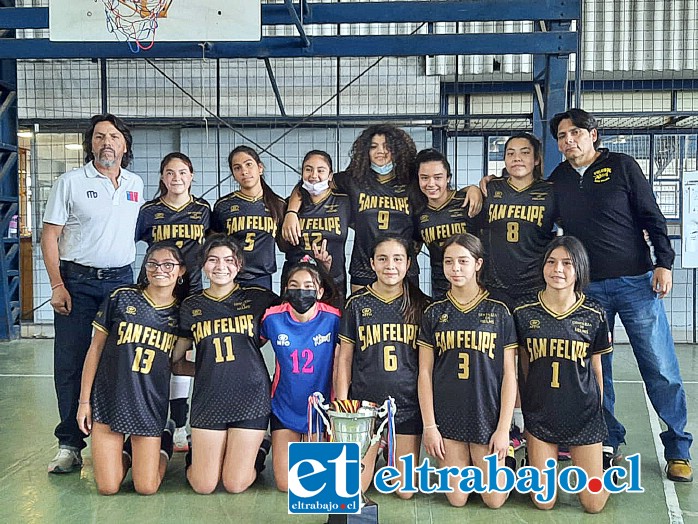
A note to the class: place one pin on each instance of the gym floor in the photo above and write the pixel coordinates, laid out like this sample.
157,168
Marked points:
29,494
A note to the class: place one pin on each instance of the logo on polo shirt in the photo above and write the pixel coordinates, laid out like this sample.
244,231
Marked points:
132,196
91,194
159,216
131,310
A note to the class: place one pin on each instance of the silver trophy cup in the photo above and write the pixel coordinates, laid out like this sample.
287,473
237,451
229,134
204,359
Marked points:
356,426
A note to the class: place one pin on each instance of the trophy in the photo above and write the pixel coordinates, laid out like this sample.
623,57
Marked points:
355,421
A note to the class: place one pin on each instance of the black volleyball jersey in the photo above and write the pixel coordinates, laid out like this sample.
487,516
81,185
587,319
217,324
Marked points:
517,227
436,225
560,398
186,226
231,382
386,362
469,343
328,220
251,224
132,384
377,208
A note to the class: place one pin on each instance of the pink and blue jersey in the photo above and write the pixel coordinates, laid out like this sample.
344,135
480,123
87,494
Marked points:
304,358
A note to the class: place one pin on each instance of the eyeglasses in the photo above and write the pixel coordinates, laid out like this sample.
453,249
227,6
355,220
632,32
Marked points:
167,267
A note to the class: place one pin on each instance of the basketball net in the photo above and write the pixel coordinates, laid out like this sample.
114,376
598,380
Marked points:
136,20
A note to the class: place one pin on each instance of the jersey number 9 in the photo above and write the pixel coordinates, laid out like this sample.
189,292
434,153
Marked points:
383,220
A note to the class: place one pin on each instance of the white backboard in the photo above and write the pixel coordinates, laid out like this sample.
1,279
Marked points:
185,20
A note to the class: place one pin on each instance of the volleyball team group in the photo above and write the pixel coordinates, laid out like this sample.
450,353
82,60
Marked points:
507,323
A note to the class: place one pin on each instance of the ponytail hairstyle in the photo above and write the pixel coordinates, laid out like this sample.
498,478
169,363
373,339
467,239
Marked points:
272,201
413,300
474,247
223,240
162,188
319,275
181,289
537,147
578,255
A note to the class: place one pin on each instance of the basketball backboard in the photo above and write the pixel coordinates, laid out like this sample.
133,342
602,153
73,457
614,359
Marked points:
159,20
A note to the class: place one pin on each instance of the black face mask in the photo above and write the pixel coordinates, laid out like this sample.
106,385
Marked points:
301,299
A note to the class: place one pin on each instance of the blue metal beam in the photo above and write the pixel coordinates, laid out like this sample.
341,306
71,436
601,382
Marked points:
664,84
320,46
367,12
297,22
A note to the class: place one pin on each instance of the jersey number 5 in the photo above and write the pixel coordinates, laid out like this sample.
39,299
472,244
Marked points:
143,360
249,242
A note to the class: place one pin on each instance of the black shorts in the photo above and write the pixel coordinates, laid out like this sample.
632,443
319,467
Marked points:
254,423
276,424
411,426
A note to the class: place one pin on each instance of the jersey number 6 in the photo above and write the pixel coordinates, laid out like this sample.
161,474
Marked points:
389,358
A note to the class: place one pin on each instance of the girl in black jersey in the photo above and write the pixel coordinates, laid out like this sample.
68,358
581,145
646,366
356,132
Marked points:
378,348
562,335
442,215
324,221
518,218
231,401
175,215
467,370
125,379
251,216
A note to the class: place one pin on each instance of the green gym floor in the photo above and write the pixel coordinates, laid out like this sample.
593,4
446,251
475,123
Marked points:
29,494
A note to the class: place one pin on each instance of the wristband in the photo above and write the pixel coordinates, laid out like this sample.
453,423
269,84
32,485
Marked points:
83,401
56,286
291,211
432,426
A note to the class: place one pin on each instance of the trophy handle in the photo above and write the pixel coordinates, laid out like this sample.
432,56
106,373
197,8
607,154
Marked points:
317,401
387,412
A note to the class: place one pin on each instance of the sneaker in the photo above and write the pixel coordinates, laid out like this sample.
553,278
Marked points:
611,456
166,443
181,440
679,470
127,450
66,460
264,448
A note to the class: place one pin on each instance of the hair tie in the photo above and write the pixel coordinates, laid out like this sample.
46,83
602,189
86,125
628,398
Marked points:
308,260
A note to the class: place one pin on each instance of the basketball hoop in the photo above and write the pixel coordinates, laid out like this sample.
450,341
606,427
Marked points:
136,20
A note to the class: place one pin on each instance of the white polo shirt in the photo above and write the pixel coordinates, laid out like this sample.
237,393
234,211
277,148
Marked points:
99,221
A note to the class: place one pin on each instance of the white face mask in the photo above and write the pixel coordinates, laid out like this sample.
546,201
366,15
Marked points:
382,170
316,189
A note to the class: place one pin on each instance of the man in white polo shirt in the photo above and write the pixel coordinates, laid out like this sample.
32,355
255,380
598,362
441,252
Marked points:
88,249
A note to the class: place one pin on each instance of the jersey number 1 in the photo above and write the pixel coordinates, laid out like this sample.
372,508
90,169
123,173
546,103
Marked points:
555,382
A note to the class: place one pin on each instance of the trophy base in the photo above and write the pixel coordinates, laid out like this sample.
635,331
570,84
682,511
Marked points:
367,515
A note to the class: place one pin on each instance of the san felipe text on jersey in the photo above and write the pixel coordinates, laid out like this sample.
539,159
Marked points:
383,202
482,341
242,324
250,222
379,333
509,211
167,231
329,224
575,350
442,232
130,333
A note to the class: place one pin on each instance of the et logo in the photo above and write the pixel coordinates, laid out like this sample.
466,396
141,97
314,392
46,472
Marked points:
324,477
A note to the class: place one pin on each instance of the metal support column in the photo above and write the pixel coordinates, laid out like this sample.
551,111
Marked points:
9,200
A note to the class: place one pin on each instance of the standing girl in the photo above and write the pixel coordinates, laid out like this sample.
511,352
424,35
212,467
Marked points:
562,335
518,218
303,334
443,215
251,217
378,348
230,404
125,378
467,371
175,215
324,222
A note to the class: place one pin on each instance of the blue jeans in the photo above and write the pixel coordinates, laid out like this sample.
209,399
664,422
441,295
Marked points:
72,340
645,321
